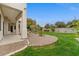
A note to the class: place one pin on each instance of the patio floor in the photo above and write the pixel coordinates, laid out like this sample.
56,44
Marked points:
10,39
11,43
36,40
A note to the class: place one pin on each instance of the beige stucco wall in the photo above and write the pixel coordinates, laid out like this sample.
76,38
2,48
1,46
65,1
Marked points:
24,24
2,19
23,28
6,27
22,7
19,6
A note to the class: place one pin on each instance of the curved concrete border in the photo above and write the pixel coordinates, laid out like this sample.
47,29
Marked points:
19,49
16,51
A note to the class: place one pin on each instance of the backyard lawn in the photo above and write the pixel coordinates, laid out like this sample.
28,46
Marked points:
65,46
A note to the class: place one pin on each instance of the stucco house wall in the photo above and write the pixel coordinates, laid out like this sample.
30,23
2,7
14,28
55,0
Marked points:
19,6
2,19
14,12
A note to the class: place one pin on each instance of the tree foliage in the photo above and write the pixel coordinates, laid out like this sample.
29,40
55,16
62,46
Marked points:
31,24
47,26
60,24
50,26
73,24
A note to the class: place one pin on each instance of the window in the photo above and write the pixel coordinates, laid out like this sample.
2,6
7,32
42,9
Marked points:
0,22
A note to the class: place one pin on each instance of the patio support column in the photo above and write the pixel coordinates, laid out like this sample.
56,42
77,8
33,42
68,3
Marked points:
23,24
17,28
13,28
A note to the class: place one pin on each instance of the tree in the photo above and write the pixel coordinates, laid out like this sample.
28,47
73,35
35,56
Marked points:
69,24
47,26
33,27
75,24
60,24
52,27
31,24
72,24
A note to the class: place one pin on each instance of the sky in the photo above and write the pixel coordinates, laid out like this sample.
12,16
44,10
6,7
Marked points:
49,13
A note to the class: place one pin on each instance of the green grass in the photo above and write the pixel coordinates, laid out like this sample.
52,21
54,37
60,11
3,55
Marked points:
65,46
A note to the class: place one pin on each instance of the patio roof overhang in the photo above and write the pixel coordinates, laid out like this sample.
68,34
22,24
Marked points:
10,13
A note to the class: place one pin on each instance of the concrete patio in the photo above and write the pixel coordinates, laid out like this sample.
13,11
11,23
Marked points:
11,43
8,39
36,40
